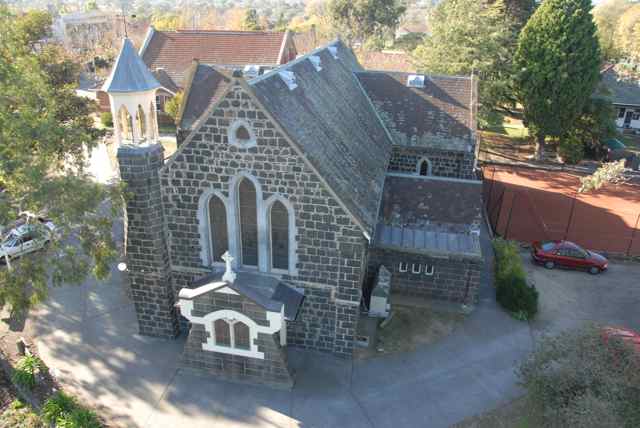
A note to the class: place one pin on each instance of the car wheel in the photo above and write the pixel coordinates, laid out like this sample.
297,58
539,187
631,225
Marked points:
594,270
549,265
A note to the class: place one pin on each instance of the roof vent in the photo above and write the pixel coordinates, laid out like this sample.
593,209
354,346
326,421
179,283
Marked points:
289,78
251,71
315,60
334,51
415,81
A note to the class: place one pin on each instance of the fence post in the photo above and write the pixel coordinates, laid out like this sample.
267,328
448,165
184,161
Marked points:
633,234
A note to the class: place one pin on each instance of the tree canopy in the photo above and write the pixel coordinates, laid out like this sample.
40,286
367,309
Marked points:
470,36
251,22
557,67
606,15
361,20
46,132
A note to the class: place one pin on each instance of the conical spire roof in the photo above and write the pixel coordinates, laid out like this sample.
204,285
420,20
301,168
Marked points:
129,73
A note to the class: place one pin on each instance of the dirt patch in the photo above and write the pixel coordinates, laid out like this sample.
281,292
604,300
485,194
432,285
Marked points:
409,328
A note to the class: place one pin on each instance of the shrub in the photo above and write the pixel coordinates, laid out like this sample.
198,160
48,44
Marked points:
172,107
571,150
24,374
57,406
580,379
79,418
106,118
512,290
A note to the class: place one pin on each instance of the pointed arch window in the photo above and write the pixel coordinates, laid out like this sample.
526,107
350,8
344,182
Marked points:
248,222
279,221
141,121
241,335
424,167
219,239
222,332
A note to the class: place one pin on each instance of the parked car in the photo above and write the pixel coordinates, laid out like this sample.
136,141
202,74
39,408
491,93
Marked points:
26,238
568,255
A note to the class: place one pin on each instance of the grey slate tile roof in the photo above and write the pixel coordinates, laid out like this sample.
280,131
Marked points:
620,89
165,80
264,290
431,215
129,73
335,125
438,115
207,86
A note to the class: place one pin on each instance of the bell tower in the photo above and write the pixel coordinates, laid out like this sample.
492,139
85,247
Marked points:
132,94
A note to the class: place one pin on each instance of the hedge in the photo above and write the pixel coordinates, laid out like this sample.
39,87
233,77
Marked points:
512,290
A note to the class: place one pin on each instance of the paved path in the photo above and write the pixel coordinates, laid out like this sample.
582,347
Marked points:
88,337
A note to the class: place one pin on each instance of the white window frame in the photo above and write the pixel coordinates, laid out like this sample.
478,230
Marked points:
429,270
429,166
232,334
241,144
414,270
401,268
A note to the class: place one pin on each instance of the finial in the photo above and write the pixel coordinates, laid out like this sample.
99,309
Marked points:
229,275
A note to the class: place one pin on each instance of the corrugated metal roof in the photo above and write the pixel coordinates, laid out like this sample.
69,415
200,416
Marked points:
432,242
129,73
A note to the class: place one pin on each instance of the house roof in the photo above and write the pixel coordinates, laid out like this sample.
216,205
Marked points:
438,115
165,81
330,118
430,214
175,50
129,73
619,88
205,84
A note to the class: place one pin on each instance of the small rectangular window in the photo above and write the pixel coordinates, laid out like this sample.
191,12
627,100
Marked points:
403,267
428,270
621,113
416,268
636,116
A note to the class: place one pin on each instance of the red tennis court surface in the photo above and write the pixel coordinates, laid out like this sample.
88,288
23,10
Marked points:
527,204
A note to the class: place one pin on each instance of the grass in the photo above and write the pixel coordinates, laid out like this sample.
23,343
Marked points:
515,414
167,128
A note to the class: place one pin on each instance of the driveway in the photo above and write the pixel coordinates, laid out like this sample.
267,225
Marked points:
88,336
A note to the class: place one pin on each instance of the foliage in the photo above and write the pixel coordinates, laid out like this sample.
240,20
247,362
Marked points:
571,149
468,36
512,291
627,40
33,26
580,378
607,15
106,118
520,11
19,415
360,20
557,65
610,172
24,373
172,106
46,131
595,125
65,411
251,21
409,42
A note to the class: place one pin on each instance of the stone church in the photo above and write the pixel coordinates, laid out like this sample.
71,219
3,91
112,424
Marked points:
290,197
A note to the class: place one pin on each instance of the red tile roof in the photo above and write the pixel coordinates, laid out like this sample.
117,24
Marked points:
175,50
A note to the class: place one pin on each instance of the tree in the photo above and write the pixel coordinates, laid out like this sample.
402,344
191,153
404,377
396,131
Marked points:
361,20
46,131
251,22
628,34
584,378
172,107
606,15
557,66
520,11
468,36
595,125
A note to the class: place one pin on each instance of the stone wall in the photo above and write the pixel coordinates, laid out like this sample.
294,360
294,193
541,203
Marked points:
454,279
331,248
272,370
145,246
444,163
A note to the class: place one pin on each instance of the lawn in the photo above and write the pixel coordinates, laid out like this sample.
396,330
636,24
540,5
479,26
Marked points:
515,414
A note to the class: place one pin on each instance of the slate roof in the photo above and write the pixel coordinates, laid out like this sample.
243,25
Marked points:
439,115
206,85
264,290
165,81
129,73
620,89
333,122
175,50
430,215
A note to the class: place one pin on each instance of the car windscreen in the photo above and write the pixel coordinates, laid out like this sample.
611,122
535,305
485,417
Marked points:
547,246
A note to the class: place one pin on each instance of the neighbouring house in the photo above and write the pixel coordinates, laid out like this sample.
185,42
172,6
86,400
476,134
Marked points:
623,89
292,194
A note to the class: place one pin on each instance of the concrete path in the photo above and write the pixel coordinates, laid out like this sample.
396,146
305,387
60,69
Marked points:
87,335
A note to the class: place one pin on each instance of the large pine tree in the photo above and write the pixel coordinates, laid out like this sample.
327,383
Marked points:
557,66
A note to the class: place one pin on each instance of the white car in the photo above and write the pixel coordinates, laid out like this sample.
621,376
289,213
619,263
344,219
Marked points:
26,239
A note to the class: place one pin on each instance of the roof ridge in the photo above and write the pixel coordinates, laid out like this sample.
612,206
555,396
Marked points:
188,31
434,75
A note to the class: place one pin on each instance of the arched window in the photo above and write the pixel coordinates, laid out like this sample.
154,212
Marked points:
242,134
126,123
248,222
279,220
424,167
222,332
142,125
218,228
241,335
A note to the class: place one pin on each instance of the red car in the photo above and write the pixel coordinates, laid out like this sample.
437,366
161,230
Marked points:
568,255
